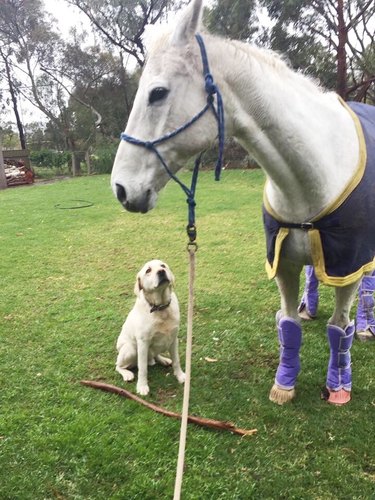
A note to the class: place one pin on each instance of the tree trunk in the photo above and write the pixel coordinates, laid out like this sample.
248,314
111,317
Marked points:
88,161
3,180
76,167
21,132
341,51
76,156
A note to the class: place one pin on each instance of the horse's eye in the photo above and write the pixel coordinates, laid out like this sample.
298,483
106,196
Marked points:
157,94
148,270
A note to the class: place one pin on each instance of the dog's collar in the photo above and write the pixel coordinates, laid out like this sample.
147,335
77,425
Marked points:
159,307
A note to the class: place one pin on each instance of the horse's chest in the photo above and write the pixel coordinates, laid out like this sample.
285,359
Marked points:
297,247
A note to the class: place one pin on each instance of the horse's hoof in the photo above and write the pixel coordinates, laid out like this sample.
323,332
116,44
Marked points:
305,315
365,336
281,396
338,398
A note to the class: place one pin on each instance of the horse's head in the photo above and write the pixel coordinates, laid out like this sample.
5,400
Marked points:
171,91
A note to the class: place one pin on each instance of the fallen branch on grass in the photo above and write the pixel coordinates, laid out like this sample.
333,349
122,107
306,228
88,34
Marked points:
204,422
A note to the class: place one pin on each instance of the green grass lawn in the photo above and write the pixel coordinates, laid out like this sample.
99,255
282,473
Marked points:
67,281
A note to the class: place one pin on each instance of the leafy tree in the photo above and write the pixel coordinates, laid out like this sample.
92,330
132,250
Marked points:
101,85
37,137
5,54
9,137
234,19
27,40
121,23
25,30
362,67
52,74
323,27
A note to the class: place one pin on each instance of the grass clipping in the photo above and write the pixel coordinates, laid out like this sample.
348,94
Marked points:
201,421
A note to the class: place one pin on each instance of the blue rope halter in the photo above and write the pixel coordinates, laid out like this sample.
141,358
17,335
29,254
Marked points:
211,90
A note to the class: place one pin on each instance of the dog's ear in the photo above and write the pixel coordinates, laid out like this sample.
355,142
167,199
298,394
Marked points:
173,280
138,285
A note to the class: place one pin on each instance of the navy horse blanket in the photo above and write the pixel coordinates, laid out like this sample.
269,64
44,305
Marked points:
342,240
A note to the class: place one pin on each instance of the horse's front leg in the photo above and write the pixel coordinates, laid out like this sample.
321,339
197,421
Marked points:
289,332
340,333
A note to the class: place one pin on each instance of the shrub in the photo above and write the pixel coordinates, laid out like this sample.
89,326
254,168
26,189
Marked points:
102,159
50,158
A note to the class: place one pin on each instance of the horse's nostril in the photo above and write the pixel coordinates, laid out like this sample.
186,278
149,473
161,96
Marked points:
120,193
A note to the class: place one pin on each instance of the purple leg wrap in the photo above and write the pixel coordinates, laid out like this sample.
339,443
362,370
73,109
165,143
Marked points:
339,375
365,319
310,297
290,339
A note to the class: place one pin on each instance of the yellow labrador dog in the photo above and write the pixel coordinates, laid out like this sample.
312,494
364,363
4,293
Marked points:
151,326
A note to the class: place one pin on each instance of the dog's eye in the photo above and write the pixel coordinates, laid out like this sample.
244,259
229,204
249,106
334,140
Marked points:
157,94
163,266
148,270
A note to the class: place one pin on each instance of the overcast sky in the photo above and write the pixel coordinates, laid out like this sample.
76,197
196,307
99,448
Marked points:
67,16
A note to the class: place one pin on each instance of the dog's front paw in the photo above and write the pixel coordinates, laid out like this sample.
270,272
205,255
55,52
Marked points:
181,377
163,360
127,375
143,389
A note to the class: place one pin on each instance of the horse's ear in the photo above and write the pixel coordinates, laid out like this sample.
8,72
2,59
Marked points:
188,24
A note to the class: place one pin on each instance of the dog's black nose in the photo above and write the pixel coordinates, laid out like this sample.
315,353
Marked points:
162,275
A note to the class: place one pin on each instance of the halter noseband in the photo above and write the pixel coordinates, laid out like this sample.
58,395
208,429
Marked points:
211,90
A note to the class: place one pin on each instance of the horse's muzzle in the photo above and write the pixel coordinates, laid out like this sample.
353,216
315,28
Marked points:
142,204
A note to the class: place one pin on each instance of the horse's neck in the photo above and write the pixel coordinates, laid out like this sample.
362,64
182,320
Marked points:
304,139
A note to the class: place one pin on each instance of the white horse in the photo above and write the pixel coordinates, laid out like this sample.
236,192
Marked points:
306,140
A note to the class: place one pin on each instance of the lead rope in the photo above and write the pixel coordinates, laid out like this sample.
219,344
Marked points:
192,248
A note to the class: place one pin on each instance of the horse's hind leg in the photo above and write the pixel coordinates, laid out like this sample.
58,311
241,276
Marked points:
340,333
365,319
289,332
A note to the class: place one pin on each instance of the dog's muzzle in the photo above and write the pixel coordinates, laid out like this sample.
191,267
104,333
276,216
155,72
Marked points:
163,278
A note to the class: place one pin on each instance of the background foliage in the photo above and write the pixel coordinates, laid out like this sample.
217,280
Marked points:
85,84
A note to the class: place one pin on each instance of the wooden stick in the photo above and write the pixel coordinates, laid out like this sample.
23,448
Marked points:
204,422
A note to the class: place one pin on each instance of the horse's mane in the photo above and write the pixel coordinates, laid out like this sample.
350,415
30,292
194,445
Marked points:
157,38
278,63
267,56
